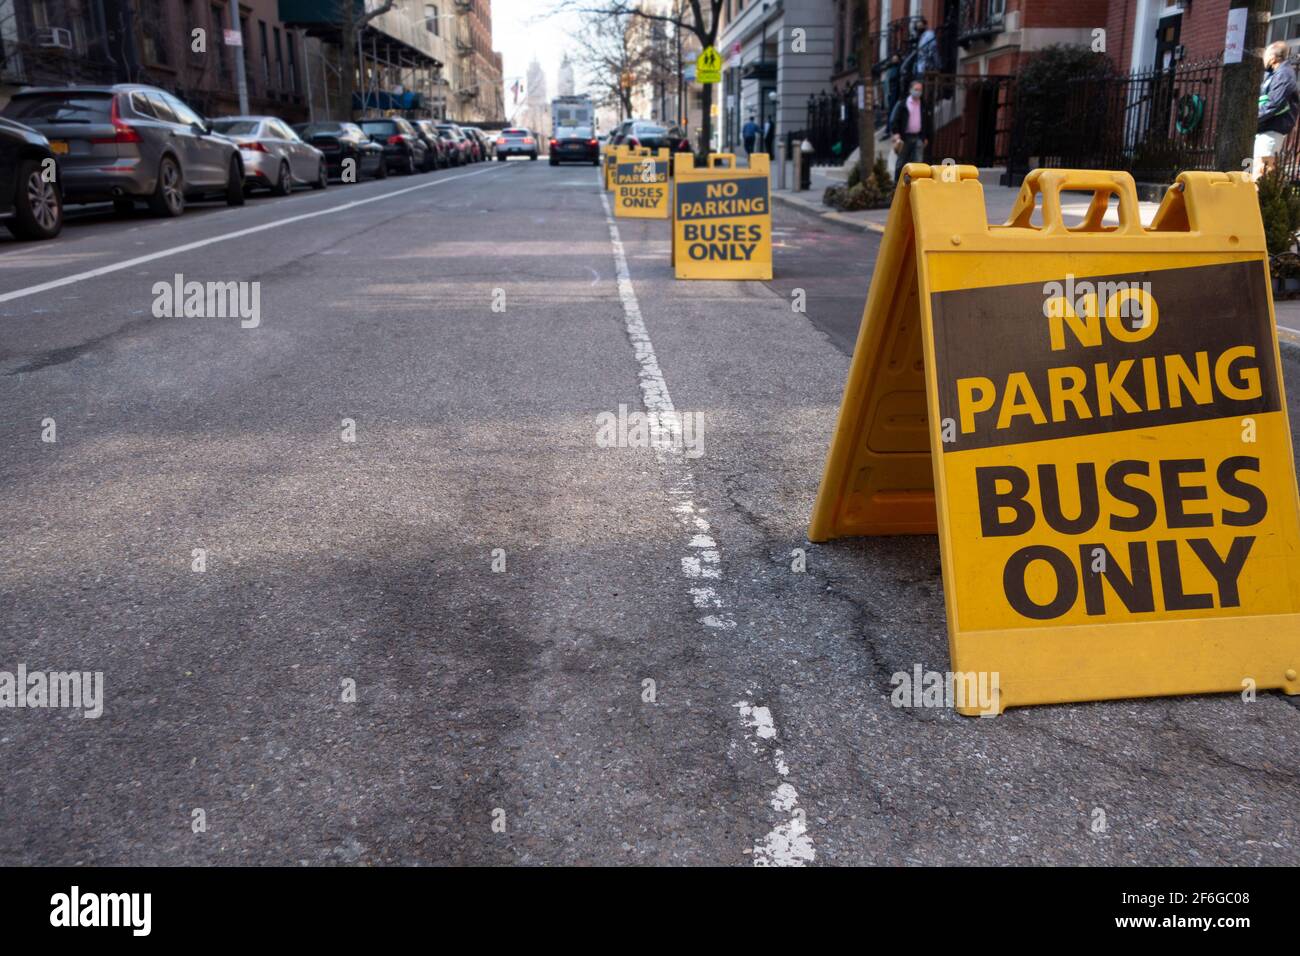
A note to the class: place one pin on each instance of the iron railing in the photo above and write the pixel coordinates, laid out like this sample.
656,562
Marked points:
970,119
1154,123
832,125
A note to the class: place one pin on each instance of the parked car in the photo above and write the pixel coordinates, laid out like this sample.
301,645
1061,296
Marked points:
274,157
476,147
30,203
455,156
428,131
462,142
481,138
130,142
339,142
404,150
575,144
516,142
649,135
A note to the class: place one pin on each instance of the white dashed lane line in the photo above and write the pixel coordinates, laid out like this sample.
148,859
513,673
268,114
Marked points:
788,844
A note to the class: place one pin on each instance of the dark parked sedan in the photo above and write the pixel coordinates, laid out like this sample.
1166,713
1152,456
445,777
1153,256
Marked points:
404,149
428,130
30,204
130,142
575,144
341,142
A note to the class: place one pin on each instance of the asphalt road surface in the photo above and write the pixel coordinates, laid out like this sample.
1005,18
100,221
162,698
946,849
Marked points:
474,633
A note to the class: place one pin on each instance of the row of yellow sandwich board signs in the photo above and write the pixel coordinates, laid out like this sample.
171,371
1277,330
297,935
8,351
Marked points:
721,213
1091,416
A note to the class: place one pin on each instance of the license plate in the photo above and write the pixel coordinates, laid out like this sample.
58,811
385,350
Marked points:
58,147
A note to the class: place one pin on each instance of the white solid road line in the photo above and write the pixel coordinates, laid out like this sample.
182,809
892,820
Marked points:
788,844
224,237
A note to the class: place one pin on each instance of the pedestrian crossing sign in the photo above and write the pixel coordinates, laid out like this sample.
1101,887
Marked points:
708,66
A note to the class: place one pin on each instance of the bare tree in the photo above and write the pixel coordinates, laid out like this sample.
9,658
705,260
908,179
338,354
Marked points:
612,52
700,17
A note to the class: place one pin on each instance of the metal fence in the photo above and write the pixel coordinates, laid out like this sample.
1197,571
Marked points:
1155,124
971,118
833,126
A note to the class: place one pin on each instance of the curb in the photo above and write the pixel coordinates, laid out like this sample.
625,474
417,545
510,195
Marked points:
838,218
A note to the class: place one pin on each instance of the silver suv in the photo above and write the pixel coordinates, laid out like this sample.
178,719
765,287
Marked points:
129,142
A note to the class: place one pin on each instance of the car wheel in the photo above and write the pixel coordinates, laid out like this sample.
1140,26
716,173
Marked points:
38,207
322,177
533,157
410,164
382,171
235,183
168,197
283,181
123,207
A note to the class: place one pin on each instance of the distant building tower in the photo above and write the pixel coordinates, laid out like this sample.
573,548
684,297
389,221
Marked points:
537,104
566,85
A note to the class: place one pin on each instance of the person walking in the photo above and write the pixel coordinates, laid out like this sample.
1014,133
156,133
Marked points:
910,126
1278,103
749,133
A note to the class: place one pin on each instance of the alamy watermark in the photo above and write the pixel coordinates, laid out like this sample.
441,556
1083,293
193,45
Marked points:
77,690
179,299
975,690
682,432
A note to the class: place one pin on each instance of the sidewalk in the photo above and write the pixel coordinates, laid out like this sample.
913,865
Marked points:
999,200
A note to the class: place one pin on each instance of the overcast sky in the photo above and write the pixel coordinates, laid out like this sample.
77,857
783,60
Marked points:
522,29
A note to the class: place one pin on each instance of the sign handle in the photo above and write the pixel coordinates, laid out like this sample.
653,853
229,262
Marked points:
1051,182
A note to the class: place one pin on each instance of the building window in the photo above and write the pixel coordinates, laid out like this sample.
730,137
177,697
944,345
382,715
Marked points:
279,59
266,59
248,64
431,19
1284,23
293,63
154,29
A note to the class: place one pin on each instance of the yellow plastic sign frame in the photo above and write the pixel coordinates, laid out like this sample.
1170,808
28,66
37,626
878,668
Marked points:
722,218
641,183
608,166
1093,419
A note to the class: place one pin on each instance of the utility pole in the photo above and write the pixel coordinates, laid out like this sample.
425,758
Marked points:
1239,97
241,81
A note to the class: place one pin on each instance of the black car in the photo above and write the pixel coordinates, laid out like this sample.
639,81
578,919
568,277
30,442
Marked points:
575,144
343,141
404,149
30,202
428,131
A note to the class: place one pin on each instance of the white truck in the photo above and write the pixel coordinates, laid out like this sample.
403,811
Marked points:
569,111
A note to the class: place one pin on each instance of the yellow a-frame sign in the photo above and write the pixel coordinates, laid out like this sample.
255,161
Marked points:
1092,418
641,183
